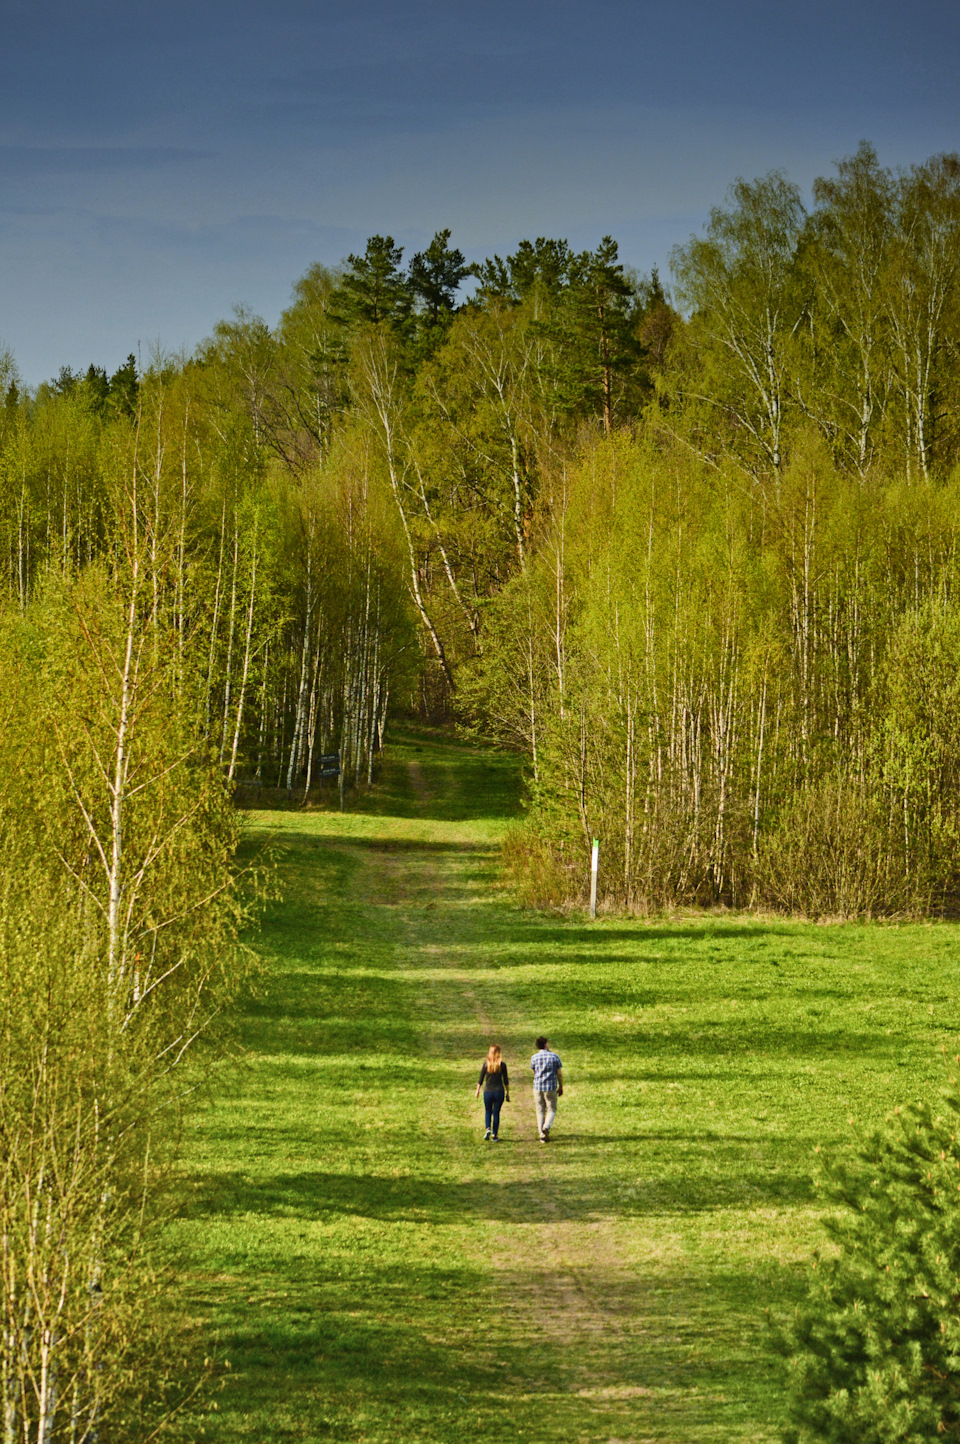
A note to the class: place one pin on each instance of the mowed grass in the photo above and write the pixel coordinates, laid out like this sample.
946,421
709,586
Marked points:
364,1268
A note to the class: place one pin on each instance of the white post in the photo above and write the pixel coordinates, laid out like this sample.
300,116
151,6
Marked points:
594,862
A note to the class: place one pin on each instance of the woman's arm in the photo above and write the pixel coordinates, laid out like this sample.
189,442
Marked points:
483,1074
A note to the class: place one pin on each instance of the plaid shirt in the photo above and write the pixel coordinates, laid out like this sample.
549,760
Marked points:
546,1066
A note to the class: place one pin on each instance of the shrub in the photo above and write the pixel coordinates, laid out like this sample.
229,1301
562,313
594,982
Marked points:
829,855
534,870
874,1351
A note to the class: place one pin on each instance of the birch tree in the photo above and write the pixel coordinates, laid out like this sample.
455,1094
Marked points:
922,297
736,282
846,256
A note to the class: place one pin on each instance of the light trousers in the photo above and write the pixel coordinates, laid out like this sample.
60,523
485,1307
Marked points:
546,1105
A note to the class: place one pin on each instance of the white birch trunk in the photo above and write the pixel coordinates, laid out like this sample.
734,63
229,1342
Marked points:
244,671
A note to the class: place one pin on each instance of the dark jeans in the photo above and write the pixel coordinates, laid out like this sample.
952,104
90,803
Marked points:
492,1103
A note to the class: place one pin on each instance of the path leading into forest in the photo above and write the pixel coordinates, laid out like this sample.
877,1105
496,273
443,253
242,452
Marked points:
565,1278
365,1268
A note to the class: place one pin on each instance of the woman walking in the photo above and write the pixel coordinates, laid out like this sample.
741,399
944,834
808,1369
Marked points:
496,1091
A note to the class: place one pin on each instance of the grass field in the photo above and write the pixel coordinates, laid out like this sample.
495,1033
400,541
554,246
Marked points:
364,1268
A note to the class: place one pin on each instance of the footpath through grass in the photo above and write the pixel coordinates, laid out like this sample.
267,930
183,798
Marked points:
364,1268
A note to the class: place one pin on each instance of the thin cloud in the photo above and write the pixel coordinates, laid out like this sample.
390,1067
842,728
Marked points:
24,162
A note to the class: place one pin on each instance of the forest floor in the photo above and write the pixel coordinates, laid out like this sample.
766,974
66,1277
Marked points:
363,1268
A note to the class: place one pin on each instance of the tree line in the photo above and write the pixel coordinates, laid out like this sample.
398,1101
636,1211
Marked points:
397,494
695,554
735,650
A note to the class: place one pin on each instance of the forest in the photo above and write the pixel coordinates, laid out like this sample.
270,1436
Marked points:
692,550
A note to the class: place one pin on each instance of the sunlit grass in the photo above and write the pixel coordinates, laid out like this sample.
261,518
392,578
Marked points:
373,1272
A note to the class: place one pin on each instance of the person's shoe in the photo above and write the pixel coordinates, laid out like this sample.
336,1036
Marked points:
546,1135
494,1139
486,1135
543,1138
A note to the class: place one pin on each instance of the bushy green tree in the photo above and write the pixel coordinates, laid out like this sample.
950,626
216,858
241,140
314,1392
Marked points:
124,389
119,907
737,282
434,278
873,1353
373,288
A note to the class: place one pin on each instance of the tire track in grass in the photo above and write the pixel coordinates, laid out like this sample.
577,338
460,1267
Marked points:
375,1273
606,1307
560,1261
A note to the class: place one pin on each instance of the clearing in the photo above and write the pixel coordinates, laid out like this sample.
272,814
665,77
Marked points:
364,1268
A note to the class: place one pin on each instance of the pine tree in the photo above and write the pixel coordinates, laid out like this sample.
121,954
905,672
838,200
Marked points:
602,311
125,387
373,288
874,1351
539,267
96,386
435,276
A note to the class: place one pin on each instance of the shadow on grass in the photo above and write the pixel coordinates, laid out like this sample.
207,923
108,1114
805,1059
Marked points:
571,931
383,845
363,1005
736,1176
730,1040
421,1353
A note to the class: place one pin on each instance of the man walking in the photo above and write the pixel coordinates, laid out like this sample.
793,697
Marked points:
547,1087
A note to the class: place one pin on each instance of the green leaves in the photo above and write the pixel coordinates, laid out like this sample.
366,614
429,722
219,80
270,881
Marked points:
119,911
874,1351
843,316
737,283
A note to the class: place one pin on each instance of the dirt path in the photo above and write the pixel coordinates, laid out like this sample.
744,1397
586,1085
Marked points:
566,1279
372,1270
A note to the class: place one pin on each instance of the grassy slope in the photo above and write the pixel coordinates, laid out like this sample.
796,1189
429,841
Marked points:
373,1272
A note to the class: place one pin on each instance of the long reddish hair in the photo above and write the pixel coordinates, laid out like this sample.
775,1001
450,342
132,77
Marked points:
493,1058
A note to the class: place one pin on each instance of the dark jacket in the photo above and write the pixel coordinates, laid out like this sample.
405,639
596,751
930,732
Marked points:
494,1082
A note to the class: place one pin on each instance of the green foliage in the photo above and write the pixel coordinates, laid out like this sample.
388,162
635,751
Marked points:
874,1349
344,1227
129,809
737,283
434,277
843,316
373,288
746,707
78,1172
830,854
124,387
119,911
676,559
599,342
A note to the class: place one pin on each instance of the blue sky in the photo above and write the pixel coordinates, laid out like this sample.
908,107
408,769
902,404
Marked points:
160,163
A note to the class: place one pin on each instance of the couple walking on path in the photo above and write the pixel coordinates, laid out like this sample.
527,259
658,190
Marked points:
547,1088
